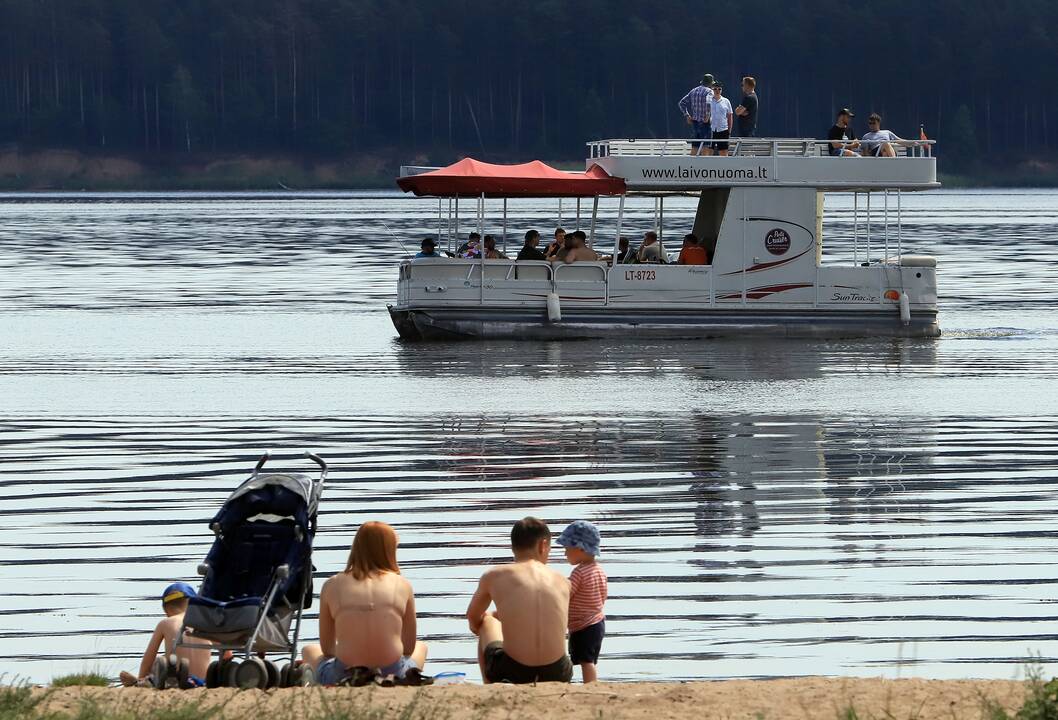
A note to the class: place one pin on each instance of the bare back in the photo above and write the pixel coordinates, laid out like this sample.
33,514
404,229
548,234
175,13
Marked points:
197,658
367,618
532,604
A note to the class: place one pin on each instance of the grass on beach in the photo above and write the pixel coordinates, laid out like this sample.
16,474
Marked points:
90,678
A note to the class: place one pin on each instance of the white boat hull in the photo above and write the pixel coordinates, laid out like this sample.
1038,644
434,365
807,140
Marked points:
431,324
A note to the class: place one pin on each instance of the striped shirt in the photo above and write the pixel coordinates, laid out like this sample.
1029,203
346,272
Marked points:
695,104
587,595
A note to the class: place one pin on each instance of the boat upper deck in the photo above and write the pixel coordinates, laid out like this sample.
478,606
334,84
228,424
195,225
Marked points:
669,165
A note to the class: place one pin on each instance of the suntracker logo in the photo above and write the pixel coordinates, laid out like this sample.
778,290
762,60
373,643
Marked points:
681,172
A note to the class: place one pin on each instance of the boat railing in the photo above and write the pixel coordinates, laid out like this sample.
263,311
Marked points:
741,147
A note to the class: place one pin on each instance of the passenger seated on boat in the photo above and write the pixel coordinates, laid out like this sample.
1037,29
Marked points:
474,239
650,249
580,251
473,249
622,250
555,245
878,142
841,131
428,249
529,251
692,252
491,253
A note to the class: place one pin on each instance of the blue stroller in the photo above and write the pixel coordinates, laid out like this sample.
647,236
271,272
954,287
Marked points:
257,579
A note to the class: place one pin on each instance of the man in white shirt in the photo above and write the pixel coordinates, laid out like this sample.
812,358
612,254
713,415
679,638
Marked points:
877,142
720,116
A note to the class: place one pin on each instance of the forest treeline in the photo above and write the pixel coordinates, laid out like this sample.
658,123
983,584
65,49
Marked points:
513,79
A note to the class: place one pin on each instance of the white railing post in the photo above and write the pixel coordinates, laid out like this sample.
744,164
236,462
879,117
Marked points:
594,213
578,215
855,227
617,239
885,215
868,227
899,227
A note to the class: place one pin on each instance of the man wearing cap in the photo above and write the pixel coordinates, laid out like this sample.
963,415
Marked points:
695,108
842,133
720,116
428,249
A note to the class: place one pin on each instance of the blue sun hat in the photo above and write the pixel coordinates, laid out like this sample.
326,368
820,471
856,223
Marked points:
177,591
581,534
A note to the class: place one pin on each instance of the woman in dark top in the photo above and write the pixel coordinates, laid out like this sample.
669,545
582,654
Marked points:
529,251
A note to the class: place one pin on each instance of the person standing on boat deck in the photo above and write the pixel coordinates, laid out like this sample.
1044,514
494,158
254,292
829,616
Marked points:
878,142
720,115
695,108
747,109
842,133
555,245
491,253
529,251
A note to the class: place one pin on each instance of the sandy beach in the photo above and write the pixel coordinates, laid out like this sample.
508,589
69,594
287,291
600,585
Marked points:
807,698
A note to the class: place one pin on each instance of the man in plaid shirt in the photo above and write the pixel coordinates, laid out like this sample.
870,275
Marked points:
695,107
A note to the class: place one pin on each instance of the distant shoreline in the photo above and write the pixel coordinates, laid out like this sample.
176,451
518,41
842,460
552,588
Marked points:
73,170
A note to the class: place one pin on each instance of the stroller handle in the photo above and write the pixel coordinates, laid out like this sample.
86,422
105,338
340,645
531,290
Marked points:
318,460
263,460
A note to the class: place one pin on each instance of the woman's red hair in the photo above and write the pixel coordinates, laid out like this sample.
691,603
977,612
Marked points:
374,551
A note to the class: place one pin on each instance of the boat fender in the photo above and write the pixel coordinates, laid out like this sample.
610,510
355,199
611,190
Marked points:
554,308
905,309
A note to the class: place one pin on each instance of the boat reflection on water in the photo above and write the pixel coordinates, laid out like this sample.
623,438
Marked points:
732,360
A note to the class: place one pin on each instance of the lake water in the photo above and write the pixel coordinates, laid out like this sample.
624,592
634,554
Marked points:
767,508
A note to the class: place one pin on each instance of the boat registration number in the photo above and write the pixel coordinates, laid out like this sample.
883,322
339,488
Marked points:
640,274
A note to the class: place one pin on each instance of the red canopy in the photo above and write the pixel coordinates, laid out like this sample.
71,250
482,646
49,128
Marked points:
472,178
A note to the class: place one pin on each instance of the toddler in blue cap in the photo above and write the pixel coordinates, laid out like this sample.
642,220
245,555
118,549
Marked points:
174,604
588,590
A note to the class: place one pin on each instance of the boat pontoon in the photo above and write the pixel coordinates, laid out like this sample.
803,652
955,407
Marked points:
759,215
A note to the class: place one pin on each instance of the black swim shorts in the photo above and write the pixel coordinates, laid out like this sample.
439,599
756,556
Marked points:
585,644
720,135
500,667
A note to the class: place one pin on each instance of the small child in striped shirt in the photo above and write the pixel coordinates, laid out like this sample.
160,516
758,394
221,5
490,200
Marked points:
587,622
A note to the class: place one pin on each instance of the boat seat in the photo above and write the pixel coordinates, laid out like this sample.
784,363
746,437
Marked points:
532,272
918,261
581,272
658,147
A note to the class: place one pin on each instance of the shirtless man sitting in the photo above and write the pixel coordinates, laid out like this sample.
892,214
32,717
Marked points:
524,640
581,251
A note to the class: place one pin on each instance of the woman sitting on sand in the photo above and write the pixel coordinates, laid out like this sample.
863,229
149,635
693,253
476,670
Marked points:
367,615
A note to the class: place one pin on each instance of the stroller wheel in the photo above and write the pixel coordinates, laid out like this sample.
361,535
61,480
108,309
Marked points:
251,673
183,673
273,673
284,675
301,675
159,673
212,679
227,672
